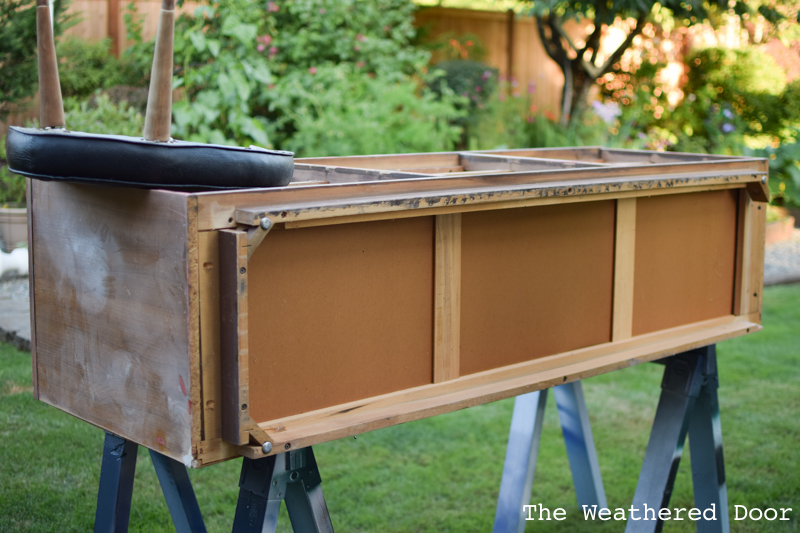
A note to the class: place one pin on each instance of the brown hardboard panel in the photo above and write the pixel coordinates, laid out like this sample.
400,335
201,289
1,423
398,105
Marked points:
535,281
112,310
339,313
685,259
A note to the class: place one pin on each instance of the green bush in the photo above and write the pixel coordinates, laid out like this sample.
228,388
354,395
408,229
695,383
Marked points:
101,115
12,186
730,94
19,78
239,64
85,67
336,112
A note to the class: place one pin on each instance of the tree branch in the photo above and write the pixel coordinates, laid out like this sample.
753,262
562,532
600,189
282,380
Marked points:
617,55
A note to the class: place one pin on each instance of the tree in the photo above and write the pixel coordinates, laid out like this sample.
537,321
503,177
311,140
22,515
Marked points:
579,62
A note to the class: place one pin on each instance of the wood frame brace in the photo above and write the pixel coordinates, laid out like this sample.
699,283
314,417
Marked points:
236,247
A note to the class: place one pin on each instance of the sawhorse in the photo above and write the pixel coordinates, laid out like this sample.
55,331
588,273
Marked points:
523,449
688,404
291,476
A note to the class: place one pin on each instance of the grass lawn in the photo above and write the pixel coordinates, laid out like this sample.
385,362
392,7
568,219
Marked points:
442,474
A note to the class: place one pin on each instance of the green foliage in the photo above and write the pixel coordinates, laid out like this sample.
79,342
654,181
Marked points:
336,112
85,67
784,172
238,62
19,78
101,115
12,186
472,80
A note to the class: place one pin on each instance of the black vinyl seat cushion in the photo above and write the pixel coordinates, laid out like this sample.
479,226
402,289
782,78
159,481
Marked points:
59,154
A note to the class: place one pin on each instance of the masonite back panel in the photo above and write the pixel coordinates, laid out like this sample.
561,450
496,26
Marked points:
535,281
339,313
685,259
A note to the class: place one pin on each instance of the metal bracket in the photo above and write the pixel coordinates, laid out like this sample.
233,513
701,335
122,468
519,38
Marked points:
256,234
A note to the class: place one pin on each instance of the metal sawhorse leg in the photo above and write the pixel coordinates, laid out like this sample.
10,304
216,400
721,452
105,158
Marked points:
292,476
523,448
116,489
688,404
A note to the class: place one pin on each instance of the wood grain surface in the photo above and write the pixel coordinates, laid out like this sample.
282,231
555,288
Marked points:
112,311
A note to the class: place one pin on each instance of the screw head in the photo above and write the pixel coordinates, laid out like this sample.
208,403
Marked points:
265,223
266,447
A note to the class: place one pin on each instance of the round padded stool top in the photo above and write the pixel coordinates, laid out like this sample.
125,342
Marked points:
59,154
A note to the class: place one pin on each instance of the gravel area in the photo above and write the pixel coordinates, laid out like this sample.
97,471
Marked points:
782,261
15,288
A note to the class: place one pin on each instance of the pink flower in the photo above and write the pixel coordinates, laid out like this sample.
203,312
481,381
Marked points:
273,51
356,48
486,74
272,7
261,47
361,38
531,87
360,64
477,88
266,39
312,70
322,11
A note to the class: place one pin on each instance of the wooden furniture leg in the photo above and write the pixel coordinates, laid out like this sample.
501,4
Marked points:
291,476
688,404
523,448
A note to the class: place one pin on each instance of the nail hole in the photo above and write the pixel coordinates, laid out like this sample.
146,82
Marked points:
294,476
244,407
283,215
242,270
755,294
569,191
288,445
230,220
565,378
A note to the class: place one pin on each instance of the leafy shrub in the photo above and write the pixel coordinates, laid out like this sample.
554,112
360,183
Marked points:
730,94
336,112
237,63
12,186
19,78
85,67
101,115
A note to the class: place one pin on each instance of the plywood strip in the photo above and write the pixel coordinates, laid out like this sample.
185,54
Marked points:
447,294
209,334
422,402
291,204
749,279
31,286
195,367
624,253
250,214
233,336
